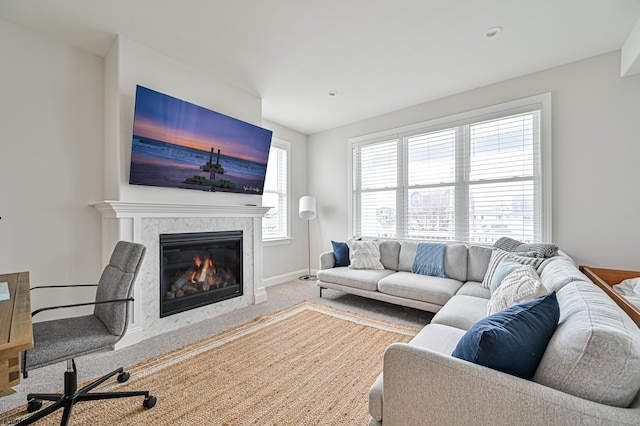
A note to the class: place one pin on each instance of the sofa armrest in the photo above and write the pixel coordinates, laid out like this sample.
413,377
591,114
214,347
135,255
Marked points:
327,260
422,386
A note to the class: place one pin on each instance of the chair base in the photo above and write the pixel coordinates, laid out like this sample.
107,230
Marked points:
71,396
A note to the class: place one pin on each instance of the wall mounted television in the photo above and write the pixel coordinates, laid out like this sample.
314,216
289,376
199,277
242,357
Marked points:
177,144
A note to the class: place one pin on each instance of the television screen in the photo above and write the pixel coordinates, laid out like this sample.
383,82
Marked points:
181,145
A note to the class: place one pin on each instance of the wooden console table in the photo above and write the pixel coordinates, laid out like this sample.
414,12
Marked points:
16,334
606,278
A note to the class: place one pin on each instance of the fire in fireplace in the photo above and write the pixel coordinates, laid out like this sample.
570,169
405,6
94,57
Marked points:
197,269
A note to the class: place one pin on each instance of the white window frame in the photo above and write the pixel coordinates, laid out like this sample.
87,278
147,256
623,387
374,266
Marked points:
285,145
543,101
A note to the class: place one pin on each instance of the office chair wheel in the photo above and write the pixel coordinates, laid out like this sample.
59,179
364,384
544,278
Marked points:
149,401
33,405
123,377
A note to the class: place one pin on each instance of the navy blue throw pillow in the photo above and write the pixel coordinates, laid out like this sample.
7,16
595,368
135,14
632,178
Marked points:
341,253
514,340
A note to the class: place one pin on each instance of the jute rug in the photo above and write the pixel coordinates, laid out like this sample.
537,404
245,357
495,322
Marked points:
306,365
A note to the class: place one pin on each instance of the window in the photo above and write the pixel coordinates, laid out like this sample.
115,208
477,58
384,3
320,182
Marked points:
473,177
275,223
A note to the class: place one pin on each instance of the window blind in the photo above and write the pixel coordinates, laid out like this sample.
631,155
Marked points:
274,223
504,176
376,185
474,179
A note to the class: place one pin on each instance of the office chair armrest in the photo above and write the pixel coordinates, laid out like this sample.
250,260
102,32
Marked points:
75,305
63,285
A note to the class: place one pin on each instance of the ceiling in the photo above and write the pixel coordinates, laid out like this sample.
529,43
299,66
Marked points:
378,55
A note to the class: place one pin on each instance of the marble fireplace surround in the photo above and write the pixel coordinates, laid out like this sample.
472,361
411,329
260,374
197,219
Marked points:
143,222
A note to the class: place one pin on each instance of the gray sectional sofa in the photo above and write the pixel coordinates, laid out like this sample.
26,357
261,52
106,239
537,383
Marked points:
589,373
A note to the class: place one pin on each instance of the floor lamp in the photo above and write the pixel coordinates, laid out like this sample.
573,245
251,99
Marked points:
307,211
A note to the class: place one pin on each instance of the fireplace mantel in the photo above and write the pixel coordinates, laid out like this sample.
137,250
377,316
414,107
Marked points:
123,209
143,222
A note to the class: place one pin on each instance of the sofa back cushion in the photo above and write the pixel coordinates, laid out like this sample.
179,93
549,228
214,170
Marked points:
455,262
455,259
407,255
560,271
389,254
478,262
595,351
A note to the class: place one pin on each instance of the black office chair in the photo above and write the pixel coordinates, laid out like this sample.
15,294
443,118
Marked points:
68,338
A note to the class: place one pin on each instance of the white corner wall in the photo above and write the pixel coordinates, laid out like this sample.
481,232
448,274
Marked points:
595,154
288,260
51,165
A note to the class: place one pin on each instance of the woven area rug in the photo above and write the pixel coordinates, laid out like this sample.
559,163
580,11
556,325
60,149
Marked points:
306,365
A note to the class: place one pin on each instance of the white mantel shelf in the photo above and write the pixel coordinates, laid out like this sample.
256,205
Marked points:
128,209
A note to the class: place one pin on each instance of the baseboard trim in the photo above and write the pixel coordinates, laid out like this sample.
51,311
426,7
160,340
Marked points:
289,276
133,336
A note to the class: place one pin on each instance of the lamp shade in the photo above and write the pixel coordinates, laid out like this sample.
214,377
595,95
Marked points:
307,207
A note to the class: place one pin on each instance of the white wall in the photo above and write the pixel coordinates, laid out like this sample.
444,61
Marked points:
51,168
286,261
596,149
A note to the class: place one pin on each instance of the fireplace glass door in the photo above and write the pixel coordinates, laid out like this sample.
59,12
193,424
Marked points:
197,269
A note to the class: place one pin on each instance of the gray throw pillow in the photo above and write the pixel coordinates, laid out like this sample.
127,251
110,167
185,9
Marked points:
498,256
540,249
504,268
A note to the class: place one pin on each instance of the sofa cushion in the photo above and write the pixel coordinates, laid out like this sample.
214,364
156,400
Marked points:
389,254
474,288
364,279
478,261
455,262
519,286
438,337
461,312
419,287
595,352
364,255
561,271
407,254
498,255
512,341
340,253
429,260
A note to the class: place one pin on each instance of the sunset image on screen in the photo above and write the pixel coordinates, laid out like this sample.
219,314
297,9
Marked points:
179,144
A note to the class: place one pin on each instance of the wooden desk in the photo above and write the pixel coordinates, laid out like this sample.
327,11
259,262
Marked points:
606,279
16,334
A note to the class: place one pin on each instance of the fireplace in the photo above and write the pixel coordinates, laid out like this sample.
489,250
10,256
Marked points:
198,269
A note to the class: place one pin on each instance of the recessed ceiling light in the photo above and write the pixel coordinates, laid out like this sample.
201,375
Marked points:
332,92
493,31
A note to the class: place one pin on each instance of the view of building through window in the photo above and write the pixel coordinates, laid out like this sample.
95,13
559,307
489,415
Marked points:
474,182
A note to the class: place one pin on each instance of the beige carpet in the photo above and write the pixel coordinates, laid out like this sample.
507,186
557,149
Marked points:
306,365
